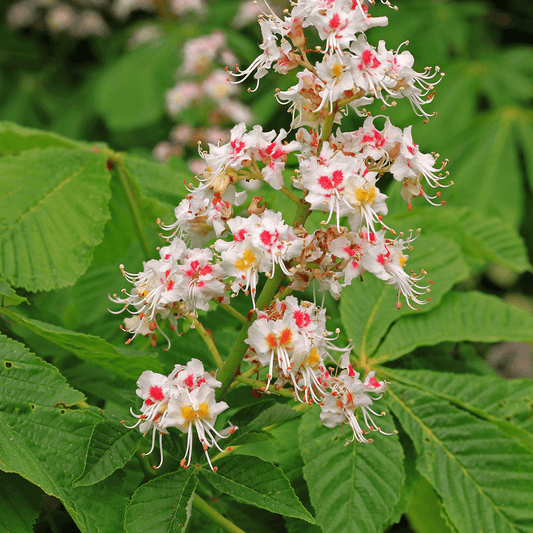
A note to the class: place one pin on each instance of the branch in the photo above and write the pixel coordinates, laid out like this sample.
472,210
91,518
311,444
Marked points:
208,339
201,505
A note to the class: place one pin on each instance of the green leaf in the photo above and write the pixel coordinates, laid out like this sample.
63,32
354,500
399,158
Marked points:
355,487
505,403
46,442
257,482
524,136
20,502
159,180
487,173
482,238
471,316
15,139
163,504
130,92
124,361
9,296
483,476
112,446
53,211
368,308
290,460
426,511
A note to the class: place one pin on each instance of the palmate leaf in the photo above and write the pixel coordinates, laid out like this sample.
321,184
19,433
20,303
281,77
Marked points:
483,238
8,296
125,362
290,460
20,502
524,135
163,504
353,488
257,482
46,442
112,446
487,155
471,316
484,477
505,403
15,139
150,69
52,214
368,308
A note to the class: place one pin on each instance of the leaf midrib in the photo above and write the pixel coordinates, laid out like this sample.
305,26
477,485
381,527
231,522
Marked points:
428,431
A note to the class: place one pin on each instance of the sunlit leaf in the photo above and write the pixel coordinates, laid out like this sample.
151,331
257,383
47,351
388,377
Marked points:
461,316
353,488
53,211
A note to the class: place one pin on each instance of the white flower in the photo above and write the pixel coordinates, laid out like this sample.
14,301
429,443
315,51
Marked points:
185,400
197,409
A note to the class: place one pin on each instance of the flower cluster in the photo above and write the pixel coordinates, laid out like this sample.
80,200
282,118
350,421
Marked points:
236,241
185,400
347,393
202,81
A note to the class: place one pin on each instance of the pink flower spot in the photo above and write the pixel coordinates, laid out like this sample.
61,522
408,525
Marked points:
335,21
206,270
373,382
157,393
189,381
381,259
240,235
366,57
349,251
325,182
266,237
338,176
237,145
302,319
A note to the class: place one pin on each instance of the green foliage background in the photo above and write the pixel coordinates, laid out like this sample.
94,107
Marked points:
79,189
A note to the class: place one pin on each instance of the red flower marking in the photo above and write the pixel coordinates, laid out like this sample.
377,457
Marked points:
157,393
373,382
302,319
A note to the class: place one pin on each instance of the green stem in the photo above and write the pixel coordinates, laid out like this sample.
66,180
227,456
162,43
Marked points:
283,293
201,505
227,451
328,127
290,195
227,372
239,348
261,385
208,339
250,372
234,313
54,528
133,204
346,101
145,465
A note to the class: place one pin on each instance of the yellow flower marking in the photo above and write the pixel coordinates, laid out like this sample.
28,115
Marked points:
314,358
246,261
189,414
363,195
